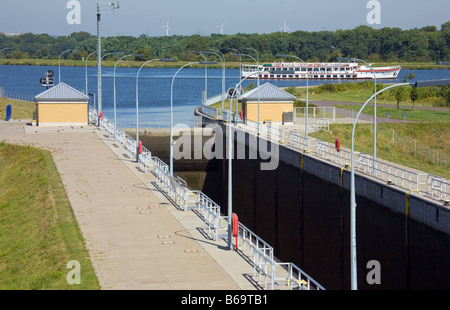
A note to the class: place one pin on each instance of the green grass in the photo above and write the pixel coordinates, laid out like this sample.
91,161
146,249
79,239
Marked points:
414,146
39,234
20,109
412,115
355,96
226,105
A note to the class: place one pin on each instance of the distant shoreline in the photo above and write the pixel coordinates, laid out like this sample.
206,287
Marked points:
178,64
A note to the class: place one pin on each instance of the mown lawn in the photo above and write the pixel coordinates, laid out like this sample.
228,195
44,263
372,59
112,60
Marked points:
422,146
39,234
20,109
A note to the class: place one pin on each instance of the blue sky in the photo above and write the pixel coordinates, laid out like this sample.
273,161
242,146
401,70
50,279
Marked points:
187,17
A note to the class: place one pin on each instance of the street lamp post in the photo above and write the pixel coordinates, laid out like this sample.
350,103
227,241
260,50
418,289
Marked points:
237,53
339,62
222,56
259,92
230,162
137,102
115,105
223,71
307,97
171,107
86,69
59,64
257,71
354,277
206,73
374,112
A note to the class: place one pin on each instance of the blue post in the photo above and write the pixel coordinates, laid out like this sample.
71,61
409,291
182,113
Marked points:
8,112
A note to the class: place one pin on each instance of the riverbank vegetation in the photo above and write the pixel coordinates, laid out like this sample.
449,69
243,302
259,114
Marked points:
411,48
359,92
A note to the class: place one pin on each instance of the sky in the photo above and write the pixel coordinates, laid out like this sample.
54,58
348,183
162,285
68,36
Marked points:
188,17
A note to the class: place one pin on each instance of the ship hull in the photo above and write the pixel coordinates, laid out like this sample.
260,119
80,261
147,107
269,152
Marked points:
319,71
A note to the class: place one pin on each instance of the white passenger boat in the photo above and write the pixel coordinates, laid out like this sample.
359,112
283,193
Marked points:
322,70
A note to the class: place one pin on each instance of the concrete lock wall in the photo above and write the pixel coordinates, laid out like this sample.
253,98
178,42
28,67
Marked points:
302,209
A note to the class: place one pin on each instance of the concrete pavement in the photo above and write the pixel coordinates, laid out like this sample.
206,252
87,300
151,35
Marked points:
136,238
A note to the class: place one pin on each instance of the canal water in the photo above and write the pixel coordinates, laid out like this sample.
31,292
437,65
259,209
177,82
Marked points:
154,88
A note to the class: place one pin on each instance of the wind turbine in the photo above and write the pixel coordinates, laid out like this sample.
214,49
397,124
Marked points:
167,28
284,28
221,28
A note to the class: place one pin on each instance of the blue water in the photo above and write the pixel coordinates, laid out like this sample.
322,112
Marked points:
154,88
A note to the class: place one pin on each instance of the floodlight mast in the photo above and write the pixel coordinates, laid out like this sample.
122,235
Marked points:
102,8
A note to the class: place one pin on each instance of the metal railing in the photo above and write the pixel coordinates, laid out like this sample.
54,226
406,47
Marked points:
413,181
210,111
16,96
438,187
215,223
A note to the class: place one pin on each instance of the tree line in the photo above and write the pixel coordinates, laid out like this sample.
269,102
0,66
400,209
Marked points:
427,44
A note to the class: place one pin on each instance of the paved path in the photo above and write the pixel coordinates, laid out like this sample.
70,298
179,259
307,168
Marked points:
135,237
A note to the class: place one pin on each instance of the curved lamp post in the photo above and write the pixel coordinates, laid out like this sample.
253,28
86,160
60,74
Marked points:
59,64
354,277
222,60
257,71
171,107
137,102
206,73
85,70
340,65
230,156
374,112
259,92
307,97
115,105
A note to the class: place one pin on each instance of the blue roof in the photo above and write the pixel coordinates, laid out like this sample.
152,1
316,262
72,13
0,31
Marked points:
62,93
268,92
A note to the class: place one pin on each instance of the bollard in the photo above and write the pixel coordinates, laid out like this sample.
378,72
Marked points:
8,112
235,227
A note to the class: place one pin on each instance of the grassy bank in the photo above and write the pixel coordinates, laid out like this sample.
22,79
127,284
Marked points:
38,231
20,109
422,146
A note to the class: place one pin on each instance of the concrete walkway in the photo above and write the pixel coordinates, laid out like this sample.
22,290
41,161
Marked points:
136,238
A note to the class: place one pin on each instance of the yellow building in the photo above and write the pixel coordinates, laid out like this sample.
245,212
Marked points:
274,102
62,105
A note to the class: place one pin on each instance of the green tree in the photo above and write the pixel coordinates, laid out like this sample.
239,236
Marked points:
398,97
146,54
